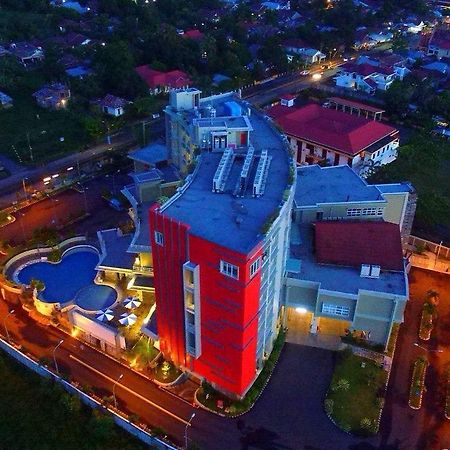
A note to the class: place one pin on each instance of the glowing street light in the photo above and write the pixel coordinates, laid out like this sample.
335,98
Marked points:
54,355
4,324
114,389
186,430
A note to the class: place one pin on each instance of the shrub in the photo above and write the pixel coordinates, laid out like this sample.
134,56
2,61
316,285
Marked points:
341,385
329,404
366,423
54,255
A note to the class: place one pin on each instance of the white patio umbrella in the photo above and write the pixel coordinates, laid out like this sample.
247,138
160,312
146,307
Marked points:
131,302
128,319
105,316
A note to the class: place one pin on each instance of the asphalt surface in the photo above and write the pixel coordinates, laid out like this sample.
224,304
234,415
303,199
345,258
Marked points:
57,210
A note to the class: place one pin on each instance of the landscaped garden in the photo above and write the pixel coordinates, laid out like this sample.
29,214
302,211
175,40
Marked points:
218,402
428,315
417,383
38,414
356,395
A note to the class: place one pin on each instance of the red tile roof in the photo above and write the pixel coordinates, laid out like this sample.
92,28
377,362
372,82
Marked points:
353,243
440,39
336,130
155,78
196,35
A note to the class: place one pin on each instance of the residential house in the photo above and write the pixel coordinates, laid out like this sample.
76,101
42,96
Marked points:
276,5
345,273
195,35
53,96
26,52
112,105
5,100
381,37
439,44
298,48
331,137
365,77
73,5
158,81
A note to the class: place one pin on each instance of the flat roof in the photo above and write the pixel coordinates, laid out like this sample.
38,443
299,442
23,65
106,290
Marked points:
240,123
353,104
235,223
338,278
114,250
151,154
395,188
336,184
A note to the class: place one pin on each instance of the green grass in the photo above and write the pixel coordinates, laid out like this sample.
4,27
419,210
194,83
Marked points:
38,414
27,123
356,394
417,383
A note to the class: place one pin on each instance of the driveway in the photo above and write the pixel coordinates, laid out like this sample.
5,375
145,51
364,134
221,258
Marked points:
289,414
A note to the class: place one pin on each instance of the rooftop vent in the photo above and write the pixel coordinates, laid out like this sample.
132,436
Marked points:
243,179
370,271
262,172
223,170
365,270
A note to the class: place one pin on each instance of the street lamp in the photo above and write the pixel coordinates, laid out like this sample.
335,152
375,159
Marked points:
186,430
4,323
114,389
54,355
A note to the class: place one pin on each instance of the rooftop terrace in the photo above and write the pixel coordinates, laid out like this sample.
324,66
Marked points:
222,218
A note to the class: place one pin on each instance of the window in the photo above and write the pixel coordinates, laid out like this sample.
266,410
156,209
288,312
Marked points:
335,310
355,212
230,270
255,267
159,238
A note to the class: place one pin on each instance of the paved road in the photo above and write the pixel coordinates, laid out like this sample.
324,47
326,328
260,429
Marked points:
58,209
289,84
14,182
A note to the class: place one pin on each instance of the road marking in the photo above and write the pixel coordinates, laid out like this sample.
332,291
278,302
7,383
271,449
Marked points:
130,391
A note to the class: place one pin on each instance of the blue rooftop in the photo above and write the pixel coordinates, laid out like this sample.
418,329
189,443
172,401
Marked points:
395,188
78,71
114,248
222,218
336,184
151,154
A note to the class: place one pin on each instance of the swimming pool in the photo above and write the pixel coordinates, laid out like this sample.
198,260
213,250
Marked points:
65,280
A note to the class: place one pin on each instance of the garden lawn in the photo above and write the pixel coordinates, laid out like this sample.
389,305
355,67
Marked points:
360,401
37,414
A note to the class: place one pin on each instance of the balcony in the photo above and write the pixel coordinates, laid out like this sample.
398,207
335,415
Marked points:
143,269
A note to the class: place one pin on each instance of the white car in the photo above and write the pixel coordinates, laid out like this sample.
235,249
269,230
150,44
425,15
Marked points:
304,73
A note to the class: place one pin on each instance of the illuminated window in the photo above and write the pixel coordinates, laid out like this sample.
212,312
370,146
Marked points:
335,310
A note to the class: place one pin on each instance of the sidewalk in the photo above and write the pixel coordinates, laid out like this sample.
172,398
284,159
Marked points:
15,179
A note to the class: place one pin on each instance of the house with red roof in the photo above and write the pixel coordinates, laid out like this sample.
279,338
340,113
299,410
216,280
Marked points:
439,44
365,77
158,81
195,35
319,135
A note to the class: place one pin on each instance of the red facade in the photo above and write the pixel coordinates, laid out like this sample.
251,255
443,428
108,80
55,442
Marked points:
228,307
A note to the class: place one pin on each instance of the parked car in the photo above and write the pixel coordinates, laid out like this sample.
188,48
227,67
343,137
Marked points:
304,73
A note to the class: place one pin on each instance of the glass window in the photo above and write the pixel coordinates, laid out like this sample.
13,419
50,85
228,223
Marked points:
159,238
255,267
230,270
335,310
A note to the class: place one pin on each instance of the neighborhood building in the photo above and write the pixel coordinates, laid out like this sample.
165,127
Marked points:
112,105
298,48
53,96
158,82
439,44
5,100
26,53
366,77
346,273
326,136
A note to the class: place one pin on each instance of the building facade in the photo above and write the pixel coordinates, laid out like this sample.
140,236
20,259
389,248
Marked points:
346,272
219,244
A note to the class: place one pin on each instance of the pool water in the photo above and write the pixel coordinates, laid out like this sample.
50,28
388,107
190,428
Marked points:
64,280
